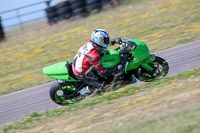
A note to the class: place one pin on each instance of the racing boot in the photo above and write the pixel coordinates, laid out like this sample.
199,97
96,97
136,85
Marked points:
85,91
96,86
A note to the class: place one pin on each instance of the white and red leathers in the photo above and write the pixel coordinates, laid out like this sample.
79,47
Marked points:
86,59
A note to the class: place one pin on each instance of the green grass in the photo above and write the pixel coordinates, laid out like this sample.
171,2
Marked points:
160,24
173,102
176,121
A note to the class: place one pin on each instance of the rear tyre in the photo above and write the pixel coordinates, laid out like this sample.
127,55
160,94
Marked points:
161,69
58,92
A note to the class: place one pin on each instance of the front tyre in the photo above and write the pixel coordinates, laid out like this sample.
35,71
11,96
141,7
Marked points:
58,93
161,68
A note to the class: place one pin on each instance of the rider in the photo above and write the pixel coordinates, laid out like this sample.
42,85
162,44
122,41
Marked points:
88,57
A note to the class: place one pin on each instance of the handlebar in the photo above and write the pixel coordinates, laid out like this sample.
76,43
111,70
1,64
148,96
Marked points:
128,45
125,43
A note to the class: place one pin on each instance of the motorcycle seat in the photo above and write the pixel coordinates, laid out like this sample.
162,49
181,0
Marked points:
69,67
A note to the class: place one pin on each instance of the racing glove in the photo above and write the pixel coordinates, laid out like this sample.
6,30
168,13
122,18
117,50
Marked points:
116,40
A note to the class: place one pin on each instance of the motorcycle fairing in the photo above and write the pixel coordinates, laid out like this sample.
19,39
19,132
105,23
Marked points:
142,57
109,58
58,71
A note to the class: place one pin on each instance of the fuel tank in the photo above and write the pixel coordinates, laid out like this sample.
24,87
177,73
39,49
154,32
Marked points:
109,58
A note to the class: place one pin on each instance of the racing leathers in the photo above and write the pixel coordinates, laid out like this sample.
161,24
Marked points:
85,60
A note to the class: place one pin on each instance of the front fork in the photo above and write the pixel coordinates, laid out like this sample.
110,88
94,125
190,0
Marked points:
146,65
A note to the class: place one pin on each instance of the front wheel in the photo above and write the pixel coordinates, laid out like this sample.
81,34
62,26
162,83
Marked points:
161,69
58,93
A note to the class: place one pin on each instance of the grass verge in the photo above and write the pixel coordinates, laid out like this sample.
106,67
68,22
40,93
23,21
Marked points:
159,23
169,105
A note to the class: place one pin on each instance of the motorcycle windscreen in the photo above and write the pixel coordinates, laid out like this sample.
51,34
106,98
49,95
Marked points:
58,71
109,58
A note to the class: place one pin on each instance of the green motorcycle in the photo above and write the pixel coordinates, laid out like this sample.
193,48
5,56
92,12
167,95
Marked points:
134,58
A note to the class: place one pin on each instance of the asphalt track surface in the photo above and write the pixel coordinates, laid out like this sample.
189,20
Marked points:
18,105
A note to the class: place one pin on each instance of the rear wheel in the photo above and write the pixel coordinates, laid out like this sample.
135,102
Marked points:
58,94
161,69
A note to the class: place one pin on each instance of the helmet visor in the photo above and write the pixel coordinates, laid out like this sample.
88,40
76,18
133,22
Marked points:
106,40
